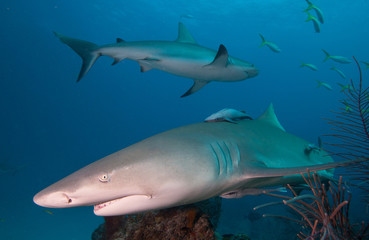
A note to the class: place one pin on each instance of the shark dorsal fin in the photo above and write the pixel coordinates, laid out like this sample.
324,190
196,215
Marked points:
119,40
184,36
269,116
221,59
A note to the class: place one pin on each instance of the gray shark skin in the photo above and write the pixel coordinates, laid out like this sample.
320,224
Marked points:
190,164
183,57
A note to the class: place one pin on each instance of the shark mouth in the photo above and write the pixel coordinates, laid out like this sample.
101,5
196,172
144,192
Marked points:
116,206
99,206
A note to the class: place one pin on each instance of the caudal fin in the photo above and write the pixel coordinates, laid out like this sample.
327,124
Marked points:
263,42
320,83
327,56
86,50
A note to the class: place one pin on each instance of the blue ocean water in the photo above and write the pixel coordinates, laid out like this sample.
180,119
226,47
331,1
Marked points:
51,126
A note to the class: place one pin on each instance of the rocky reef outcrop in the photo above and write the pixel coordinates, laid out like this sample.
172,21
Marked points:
193,222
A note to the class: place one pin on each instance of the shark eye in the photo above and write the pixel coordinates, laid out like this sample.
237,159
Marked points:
104,178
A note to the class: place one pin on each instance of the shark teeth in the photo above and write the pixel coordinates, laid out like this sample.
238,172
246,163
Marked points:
103,205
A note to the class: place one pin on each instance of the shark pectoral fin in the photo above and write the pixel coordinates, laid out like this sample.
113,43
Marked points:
197,85
117,60
146,63
145,67
86,50
234,194
262,172
229,120
221,59
184,36
250,191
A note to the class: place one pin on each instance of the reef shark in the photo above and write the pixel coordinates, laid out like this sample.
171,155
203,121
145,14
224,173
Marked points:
190,164
182,57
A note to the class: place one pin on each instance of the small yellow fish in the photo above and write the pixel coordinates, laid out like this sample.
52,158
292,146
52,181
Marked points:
347,107
49,212
317,10
315,22
271,45
309,65
339,72
338,59
326,85
345,87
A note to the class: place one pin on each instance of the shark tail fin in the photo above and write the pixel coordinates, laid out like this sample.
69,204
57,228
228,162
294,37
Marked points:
302,64
327,56
86,50
263,40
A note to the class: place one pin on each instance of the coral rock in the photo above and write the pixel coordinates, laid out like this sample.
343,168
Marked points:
193,222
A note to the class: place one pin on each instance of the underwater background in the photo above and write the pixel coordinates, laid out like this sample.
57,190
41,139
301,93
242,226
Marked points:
51,126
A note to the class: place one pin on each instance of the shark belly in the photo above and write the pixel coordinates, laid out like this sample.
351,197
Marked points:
198,70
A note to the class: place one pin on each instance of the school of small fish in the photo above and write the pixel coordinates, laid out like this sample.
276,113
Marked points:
316,16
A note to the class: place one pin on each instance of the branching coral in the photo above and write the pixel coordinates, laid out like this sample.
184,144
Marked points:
352,130
352,121
324,213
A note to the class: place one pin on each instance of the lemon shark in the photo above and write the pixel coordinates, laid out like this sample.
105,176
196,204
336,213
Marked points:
182,57
190,164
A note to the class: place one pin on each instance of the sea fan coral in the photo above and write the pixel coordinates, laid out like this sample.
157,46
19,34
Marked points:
324,213
352,121
351,127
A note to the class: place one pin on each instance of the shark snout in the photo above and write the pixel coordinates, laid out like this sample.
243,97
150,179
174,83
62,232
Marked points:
52,200
252,72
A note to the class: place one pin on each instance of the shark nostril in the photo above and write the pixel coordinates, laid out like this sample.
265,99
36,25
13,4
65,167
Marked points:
69,200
